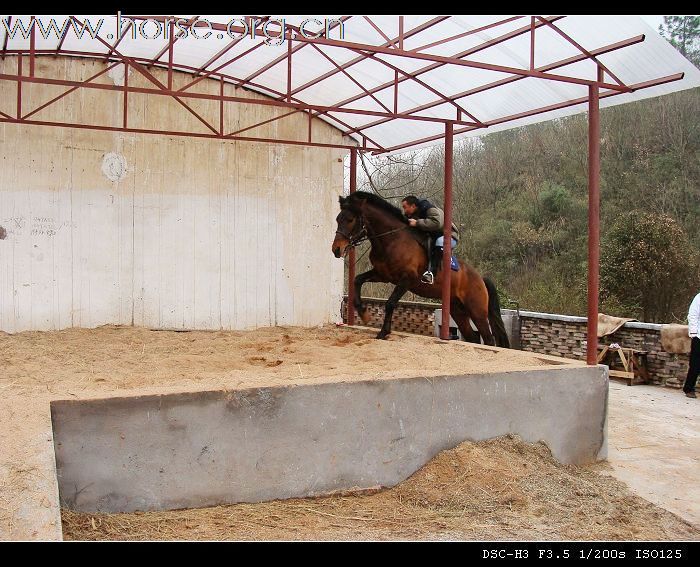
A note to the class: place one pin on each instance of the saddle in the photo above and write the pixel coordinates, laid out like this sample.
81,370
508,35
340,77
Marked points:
435,259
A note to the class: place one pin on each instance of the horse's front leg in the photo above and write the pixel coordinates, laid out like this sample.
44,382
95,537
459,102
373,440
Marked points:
397,294
369,276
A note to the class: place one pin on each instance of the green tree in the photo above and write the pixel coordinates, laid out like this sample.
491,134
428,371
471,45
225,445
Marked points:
647,266
684,34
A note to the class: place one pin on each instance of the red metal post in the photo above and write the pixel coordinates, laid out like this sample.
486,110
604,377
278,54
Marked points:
125,101
171,41
447,247
532,43
351,255
19,87
289,70
396,92
593,222
221,106
32,46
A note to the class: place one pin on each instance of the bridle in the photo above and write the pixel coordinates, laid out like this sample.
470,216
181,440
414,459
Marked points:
363,234
354,240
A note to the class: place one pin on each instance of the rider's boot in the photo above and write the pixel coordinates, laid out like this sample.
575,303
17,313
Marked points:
428,277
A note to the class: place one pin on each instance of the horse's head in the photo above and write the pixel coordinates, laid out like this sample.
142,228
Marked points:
350,227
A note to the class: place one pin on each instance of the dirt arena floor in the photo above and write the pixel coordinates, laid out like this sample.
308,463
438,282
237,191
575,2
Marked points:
499,489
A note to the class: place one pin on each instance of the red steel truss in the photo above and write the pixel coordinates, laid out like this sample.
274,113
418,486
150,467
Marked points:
390,45
220,68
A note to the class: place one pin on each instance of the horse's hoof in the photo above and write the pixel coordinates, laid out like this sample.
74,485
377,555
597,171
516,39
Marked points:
382,336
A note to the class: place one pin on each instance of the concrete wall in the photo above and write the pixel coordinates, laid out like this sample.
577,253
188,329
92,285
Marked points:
209,448
164,232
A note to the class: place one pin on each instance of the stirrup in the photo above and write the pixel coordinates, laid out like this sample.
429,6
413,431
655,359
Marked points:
428,277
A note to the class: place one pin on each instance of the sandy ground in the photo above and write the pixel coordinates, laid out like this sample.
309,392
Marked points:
499,489
111,359
37,367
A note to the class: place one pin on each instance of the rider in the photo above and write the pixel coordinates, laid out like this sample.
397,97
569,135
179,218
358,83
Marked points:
425,216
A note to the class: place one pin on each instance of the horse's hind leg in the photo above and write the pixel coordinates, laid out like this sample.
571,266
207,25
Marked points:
475,301
482,324
459,314
397,294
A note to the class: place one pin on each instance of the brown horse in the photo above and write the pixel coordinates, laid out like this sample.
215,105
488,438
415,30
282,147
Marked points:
398,256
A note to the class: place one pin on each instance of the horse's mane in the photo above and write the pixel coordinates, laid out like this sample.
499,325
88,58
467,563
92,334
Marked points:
379,202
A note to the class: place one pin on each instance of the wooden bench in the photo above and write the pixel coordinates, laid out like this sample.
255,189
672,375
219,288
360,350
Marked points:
634,363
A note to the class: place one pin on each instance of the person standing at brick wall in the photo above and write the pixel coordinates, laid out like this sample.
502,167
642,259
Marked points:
694,333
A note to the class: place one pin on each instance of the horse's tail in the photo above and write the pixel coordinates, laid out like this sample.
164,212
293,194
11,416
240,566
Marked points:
497,327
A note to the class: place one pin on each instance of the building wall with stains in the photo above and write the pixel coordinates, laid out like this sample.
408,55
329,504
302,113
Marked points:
104,227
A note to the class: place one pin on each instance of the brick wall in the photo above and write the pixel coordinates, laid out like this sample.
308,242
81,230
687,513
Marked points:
409,317
565,336
558,335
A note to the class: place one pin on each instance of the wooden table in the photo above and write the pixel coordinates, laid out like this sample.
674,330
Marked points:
634,363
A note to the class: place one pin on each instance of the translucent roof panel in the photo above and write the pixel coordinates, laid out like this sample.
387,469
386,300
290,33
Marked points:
483,72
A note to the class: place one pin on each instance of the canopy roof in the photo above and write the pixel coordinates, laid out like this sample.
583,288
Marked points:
392,82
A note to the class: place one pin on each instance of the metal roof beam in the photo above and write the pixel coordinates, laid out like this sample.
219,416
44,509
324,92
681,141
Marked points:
466,33
583,50
609,93
273,94
471,51
151,78
281,58
112,48
176,133
408,34
268,121
355,81
162,91
69,91
380,32
512,79
172,39
425,85
460,62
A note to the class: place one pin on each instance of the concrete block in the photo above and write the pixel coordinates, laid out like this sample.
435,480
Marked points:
199,449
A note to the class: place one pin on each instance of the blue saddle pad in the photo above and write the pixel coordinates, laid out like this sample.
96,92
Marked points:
454,264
